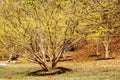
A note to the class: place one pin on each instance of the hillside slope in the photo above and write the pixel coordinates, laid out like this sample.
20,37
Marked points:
86,51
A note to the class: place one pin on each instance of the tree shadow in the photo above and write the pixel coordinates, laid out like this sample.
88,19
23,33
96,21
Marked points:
62,60
105,58
58,70
67,58
94,55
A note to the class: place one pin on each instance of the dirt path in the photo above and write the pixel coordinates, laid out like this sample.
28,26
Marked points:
3,63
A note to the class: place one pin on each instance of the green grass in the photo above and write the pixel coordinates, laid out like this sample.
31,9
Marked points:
95,70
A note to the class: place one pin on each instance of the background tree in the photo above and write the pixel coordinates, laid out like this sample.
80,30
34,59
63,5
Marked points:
103,21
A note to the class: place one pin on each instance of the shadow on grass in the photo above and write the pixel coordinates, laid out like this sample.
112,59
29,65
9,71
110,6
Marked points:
105,58
62,60
67,58
94,55
58,70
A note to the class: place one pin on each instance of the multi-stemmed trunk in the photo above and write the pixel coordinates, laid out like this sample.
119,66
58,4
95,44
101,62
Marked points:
47,64
47,68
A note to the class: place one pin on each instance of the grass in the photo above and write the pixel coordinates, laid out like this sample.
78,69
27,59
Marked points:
95,70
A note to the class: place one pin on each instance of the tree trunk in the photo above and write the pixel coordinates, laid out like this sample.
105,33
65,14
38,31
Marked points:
11,54
47,68
53,65
44,66
97,46
106,45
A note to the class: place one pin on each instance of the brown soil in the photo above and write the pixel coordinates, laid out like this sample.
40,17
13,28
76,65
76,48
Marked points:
86,51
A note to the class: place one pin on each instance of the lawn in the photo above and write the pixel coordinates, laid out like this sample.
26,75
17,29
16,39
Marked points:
94,70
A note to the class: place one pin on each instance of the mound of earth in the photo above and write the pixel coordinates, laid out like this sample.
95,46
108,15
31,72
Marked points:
86,51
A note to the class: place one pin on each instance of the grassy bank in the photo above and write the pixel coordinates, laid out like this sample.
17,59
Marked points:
95,70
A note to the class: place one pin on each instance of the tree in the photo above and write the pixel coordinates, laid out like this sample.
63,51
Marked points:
53,31
104,20
43,28
12,29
